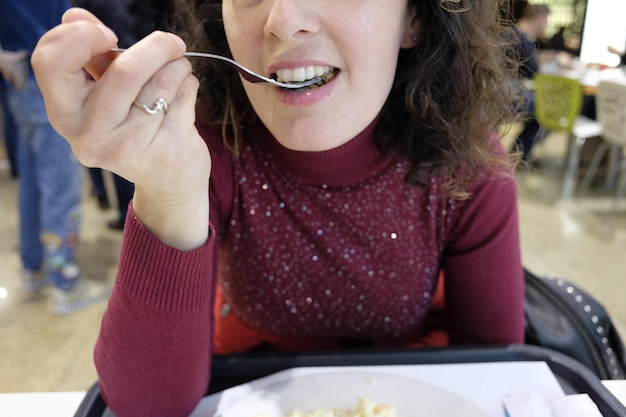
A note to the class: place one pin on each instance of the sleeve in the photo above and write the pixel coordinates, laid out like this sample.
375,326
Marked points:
153,353
483,272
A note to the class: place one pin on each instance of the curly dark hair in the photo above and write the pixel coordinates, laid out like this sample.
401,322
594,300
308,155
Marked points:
449,96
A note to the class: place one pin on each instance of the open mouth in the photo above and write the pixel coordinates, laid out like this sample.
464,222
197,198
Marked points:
319,75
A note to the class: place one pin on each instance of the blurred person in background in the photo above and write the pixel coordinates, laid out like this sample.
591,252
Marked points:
9,63
50,176
557,41
560,42
529,27
619,52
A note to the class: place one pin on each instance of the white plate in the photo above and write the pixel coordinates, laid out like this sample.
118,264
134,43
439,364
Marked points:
411,398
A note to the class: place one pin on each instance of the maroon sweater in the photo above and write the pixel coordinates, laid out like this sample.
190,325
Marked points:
309,246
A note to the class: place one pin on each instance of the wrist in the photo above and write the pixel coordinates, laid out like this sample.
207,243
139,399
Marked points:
178,221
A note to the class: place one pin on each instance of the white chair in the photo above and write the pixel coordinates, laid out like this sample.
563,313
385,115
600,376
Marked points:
611,113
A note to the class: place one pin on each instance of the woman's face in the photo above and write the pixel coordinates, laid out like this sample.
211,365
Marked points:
357,41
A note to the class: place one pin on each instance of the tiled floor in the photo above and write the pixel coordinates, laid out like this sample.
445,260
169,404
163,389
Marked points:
42,352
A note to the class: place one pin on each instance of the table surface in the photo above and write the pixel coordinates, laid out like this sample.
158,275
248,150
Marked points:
40,404
65,404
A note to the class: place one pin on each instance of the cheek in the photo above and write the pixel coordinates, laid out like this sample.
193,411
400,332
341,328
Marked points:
242,36
234,25
228,19
381,33
377,64
379,50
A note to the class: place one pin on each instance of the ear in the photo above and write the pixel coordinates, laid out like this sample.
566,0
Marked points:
412,31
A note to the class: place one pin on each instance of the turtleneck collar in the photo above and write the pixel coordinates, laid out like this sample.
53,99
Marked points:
355,160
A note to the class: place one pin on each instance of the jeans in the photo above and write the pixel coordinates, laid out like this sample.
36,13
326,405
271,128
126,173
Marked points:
49,191
10,130
530,130
97,180
124,191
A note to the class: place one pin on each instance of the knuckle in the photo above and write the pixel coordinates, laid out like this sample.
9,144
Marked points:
171,76
164,80
189,89
129,71
43,56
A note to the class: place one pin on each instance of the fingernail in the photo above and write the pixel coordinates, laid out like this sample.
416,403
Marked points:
108,33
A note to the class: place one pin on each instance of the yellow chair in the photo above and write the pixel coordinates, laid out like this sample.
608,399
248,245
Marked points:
558,100
611,113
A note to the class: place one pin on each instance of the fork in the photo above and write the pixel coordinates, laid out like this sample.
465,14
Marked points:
246,73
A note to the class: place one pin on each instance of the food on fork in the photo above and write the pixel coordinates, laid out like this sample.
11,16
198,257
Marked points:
365,408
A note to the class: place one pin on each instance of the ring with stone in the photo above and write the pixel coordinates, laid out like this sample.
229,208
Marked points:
159,105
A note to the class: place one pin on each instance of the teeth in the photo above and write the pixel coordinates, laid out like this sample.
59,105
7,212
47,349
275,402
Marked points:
302,73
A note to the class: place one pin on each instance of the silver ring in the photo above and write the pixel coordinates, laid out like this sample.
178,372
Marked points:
159,105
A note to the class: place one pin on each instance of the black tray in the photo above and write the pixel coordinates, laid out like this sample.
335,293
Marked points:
232,370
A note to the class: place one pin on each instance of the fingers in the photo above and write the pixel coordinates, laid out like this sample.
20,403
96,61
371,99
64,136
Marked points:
71,45
146,67
172,139
97,115
181,116
123,130
177,87
58,61
165,83
124,83
82,41
99,63
162,150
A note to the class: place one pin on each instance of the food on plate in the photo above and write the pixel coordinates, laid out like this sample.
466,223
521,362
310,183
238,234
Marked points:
365,408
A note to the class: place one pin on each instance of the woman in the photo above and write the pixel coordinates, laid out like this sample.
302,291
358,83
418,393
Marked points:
332,211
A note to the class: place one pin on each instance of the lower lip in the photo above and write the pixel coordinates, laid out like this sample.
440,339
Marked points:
308,97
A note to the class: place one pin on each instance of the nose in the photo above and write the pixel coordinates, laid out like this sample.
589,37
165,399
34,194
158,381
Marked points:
290,20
